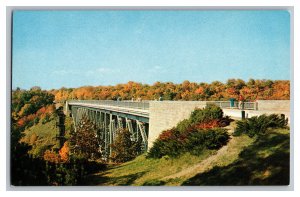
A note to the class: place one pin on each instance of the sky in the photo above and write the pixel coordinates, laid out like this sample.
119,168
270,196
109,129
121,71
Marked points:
54,49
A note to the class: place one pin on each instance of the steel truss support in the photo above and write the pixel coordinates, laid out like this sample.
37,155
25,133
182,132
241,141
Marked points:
142,130
107,125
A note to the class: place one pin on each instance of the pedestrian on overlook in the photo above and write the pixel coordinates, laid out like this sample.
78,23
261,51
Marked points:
241,102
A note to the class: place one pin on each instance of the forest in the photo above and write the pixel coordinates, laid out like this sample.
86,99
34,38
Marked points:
251,91
39,158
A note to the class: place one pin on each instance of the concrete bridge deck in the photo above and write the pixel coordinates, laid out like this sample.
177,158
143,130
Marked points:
137,109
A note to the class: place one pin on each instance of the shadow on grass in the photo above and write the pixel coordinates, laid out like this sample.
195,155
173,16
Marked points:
101,179
265,162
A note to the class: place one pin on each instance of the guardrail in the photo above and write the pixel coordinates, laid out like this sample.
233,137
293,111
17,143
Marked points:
236,105
144,105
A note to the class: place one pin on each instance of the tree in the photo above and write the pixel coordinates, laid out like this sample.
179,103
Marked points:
123,148
84,142
64,152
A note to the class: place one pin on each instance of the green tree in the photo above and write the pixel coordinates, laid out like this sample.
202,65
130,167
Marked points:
123,148
84,142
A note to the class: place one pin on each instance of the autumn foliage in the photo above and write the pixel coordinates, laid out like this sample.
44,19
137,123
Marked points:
251,91
61,157
64,152
51,156
203,130
84,142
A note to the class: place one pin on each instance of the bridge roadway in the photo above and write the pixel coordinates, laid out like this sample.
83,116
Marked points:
129,109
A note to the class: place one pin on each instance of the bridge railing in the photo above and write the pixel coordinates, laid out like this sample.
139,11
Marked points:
144,105
227,105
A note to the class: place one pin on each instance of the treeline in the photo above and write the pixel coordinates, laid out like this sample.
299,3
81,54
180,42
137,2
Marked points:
28,107
251,91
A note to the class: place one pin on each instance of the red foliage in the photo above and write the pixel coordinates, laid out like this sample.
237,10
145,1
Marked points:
208,125
21,122
24,120
165,135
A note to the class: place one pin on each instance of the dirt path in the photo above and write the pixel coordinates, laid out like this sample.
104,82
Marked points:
212,161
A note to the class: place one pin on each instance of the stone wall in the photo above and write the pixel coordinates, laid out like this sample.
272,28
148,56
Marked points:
237,114
166,114
274,105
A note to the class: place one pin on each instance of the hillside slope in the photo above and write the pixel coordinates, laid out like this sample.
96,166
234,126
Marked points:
41,137
243,161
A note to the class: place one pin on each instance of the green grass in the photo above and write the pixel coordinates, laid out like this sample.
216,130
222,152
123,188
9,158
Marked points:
45,137
142,171
265,162
262,160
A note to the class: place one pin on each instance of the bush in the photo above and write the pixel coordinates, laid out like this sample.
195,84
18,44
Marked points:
170,147
201,131
183,125
194,141
258,125
154,182
216,138
210,112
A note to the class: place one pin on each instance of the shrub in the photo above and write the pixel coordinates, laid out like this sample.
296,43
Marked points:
183,125
194,141
154,182
208,124
216,138
170,147
258,125
210,112
193,135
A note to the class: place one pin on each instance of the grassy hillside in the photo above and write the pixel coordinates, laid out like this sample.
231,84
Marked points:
169,171
243,161
265,162
43,136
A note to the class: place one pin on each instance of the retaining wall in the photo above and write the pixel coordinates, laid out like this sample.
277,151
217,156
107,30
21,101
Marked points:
166,114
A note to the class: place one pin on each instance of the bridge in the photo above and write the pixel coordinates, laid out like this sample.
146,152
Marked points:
145,120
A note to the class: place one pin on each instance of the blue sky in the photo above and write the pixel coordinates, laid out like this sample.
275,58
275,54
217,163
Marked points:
54,49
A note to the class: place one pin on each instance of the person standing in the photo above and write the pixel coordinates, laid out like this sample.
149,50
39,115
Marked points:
241,102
